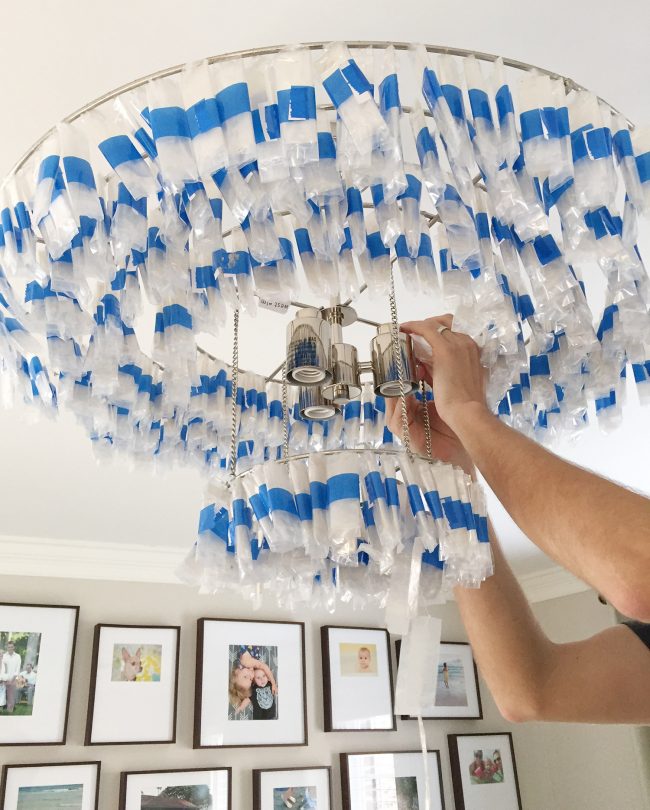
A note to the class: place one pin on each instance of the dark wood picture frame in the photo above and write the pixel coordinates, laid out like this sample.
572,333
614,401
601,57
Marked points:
327,677
345,772
478,716
456,778
7,768
93,684
125,775
76,610
198,682
257,779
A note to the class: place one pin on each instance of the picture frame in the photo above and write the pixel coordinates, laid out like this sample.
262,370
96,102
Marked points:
37,652
304,788
212,784
251,687
133,685
29,786
394,779
358,690
463,701
483,781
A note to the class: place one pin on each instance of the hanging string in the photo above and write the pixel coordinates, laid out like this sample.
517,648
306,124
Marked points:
397,357
425,419
235,385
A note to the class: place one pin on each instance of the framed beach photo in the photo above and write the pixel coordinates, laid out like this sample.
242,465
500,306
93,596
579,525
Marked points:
391,781
66,786
37,647
250,684
195,789
357,679
457,690
484,771
133,685
292,789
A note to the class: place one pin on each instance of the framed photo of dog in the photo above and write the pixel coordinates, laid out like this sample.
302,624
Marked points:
133,685
250,684
292,788
37,646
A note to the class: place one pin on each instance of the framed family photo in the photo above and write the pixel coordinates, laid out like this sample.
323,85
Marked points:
357,679
294,788
484,772
37,647
250,684
67,786
133,685
195,789
391,780
457,689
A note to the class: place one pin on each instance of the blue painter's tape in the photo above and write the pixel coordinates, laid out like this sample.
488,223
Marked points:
337,88
591,143
643,167
431,88
343,487
233,100
425,248
356,78
355,202
392,492
376,247
318,492
298,103
275,409
302,241
424,143
389,93
401,248
454,98
203,116
623,144
413,188
304,506
169,122
281,500
480,104
272,121
546,249
415,498
49,168
176,315
352,410
539,365
505,106
326,147
118,150
482,225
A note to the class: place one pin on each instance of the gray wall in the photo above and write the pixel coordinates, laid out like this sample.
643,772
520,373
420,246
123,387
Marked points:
561,767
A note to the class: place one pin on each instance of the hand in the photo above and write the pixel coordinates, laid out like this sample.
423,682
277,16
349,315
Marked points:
274,688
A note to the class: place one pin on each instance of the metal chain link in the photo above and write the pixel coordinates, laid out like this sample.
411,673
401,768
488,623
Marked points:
285,413
235,385
425,419
397,356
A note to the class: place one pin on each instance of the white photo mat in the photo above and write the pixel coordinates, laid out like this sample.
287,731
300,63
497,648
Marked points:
358,701
152,783
213,729
371,780
85,774
133,712
316,779
463,685
57,626
492,796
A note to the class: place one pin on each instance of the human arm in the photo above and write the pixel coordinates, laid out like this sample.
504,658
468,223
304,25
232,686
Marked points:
246,702
602,679
598,530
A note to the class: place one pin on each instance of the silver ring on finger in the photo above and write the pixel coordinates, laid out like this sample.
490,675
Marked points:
441,329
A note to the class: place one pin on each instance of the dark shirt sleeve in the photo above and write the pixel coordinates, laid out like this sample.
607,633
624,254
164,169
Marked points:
641,630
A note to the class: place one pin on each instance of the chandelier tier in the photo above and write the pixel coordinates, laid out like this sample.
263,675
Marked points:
240,181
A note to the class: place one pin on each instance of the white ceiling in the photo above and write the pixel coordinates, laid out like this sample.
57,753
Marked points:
57,56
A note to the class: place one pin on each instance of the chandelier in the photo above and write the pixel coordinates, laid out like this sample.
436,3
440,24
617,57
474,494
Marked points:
156,214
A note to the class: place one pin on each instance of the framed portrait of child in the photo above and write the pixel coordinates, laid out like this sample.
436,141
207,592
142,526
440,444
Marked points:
357,679
250,684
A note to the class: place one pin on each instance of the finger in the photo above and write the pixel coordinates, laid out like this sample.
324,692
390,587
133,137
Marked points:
429,330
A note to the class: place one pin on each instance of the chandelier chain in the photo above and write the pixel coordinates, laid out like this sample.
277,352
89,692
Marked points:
235,385
285,413
425,419
397,356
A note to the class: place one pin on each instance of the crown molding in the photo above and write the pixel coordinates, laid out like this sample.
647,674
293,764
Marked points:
132,562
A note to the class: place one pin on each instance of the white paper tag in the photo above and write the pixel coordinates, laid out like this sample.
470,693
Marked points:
418,658
274,306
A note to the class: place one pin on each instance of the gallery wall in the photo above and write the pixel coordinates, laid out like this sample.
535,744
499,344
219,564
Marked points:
565,767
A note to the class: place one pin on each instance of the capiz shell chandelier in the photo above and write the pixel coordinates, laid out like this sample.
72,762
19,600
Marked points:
155,215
